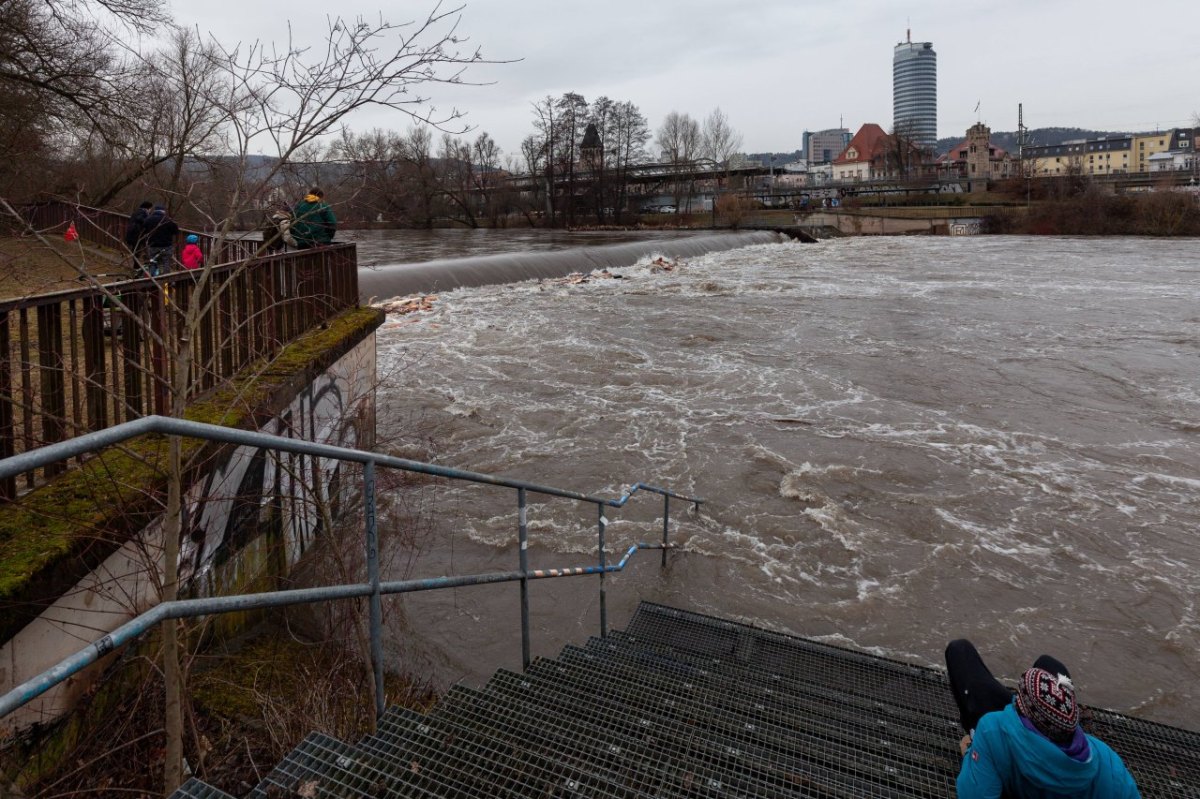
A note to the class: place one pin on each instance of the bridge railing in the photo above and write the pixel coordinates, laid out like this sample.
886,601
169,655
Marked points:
80,360
104,228
374,588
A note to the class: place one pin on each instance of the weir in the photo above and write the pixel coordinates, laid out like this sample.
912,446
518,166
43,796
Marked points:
446,274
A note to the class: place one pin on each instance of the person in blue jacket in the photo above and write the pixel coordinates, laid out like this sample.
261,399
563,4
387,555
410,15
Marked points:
1028,746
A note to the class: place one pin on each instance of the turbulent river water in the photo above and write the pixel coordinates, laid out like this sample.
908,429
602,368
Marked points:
899,441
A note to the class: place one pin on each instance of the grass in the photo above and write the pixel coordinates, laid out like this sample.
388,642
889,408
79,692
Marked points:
27,266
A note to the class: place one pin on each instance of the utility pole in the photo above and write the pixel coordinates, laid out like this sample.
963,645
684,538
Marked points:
1021,134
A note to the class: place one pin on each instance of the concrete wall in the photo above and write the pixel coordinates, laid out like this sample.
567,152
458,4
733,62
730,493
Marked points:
249,517
875,225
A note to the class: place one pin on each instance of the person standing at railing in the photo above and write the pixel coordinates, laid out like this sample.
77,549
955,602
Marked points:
1030,745
135,234
313,222
161,231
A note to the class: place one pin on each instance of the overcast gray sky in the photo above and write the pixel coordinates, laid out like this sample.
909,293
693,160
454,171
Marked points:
778,67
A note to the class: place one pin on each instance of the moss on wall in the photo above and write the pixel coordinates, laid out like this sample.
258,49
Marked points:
54,535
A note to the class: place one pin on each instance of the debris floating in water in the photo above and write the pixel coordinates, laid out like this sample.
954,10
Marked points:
576,278
403,305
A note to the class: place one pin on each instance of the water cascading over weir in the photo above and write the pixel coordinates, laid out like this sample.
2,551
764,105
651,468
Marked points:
443,275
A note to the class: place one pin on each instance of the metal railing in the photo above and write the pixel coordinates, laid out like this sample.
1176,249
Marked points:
79,360
373,589
104,228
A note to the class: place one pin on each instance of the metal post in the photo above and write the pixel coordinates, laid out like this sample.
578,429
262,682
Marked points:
603,605
523,543
666,520
373,578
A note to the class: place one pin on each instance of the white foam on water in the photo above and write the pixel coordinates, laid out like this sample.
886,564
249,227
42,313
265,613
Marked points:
873,423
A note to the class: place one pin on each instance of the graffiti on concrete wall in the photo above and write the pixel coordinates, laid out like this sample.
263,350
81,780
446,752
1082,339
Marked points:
256,493
966,227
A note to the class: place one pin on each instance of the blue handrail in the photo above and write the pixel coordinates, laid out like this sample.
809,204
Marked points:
374,588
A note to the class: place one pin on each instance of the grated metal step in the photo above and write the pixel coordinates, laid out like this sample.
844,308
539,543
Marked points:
772,757
854,711
685,735
686,705
727,644
627,754
1165,761
326,767
880,748
532,763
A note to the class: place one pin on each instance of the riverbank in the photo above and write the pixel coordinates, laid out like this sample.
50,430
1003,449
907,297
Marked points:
1159,214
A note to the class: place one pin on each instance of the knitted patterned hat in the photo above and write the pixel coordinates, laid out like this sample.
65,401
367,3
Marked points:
1048,700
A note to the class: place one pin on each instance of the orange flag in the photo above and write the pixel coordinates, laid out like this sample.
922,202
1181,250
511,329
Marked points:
71,234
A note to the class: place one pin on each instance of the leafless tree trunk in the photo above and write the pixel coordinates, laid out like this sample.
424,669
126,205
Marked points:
572,114
680,141
720,141
629,134
487,166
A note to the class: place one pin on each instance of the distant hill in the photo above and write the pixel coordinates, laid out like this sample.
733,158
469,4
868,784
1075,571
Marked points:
780,158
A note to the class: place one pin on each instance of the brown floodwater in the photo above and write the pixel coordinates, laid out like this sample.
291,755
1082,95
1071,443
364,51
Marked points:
899,441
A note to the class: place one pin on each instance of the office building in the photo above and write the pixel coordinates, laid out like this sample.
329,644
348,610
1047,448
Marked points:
822,146
914,92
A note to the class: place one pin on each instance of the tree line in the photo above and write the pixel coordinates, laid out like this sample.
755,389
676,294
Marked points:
216,130
208,128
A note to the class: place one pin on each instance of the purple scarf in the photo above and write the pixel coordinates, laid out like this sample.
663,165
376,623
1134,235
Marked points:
1076,749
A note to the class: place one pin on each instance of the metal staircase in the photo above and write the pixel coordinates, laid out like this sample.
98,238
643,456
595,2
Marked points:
685,705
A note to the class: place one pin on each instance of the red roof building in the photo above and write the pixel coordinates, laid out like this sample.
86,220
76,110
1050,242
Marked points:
874,154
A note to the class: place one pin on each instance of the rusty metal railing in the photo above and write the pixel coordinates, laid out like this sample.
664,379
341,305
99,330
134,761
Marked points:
80,360
103,228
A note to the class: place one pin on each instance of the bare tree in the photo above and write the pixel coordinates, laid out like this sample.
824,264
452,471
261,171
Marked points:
541,150
680,141
533,156
60,77
902,156
416,149
720,142
176,111
572,116
628,134
486,154
457,177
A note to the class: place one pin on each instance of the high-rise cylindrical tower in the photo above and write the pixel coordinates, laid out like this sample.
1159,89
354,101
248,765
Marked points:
914,92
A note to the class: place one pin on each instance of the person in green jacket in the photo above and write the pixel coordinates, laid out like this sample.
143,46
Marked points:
313,223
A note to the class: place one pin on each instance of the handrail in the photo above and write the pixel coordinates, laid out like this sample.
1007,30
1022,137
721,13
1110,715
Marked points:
166,425
374,588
